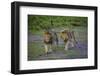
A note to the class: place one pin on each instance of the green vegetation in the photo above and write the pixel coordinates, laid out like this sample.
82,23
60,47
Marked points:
35,49
41,22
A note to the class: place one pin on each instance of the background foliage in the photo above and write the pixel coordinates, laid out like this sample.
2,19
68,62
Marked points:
42,22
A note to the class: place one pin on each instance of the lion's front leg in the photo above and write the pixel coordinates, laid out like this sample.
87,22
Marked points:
67,45
50,48
46,48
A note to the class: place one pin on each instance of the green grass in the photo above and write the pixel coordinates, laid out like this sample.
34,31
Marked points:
34,50
71,53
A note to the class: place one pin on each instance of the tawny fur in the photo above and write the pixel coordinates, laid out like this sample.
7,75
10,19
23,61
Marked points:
68,38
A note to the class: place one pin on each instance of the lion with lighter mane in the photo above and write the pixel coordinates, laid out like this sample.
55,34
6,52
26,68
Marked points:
68,38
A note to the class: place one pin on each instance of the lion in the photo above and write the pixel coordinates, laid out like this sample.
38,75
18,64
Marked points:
48,41
68,38
50,38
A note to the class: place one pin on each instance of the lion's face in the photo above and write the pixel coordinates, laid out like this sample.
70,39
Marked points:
63,35
47,37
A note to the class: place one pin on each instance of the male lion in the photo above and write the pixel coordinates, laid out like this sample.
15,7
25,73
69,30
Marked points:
68,38
50,37
48,41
